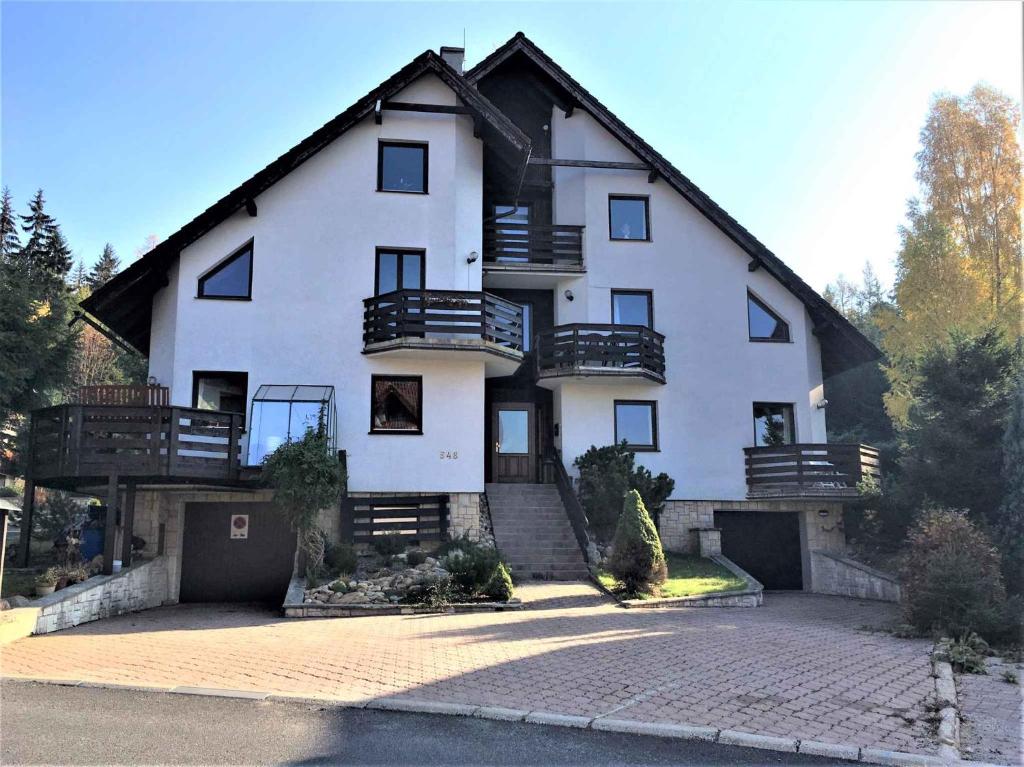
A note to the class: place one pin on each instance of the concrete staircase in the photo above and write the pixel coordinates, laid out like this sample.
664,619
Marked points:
533,533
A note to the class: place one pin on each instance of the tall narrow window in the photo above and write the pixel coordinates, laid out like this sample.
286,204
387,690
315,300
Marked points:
763,324
219,390
527,325
636,423
399,270
628,217
401,167
633,307
773,424
512,233
231,278
396,405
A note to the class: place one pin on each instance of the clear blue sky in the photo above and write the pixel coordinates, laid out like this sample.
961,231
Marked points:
801,119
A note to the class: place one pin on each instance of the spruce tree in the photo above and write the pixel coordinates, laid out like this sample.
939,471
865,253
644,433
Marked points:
105,268
10,244
38,227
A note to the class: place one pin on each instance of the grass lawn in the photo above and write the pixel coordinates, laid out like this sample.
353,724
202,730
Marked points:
687,576
20,582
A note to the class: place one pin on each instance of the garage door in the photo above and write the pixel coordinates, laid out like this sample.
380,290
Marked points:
235,552
765,544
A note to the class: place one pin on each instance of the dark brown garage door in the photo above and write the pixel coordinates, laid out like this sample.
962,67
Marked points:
216,567
765,544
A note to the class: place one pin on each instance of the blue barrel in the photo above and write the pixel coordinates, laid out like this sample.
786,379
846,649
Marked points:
91,542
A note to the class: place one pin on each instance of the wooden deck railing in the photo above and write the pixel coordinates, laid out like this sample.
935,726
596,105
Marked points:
80,442
533,245
593,349
440,314
810,469
413,518
141,395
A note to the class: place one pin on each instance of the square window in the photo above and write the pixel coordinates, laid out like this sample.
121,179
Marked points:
399,270
396,405
773,424
636,423
219,390
402,167
231,278
628,218
633,307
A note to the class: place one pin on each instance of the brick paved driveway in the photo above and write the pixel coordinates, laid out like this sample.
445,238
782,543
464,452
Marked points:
800,666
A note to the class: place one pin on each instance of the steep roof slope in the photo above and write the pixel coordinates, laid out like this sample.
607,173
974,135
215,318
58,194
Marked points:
843,346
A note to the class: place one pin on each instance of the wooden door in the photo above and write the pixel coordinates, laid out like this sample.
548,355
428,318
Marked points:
514,448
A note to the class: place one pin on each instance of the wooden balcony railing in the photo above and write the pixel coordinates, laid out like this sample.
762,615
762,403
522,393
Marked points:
442,314
813,470
75,443
528,246
141,395
592,349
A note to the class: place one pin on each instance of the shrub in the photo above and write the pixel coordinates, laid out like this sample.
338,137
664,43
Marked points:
471,567
415,557
606,475
439,592
500,586
339,587
49,578
388,545
341,558
637,560
966,655
951,579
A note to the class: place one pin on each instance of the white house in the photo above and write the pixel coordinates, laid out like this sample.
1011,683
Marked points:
470,278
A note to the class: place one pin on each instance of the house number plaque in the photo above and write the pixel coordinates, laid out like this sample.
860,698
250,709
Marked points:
449,455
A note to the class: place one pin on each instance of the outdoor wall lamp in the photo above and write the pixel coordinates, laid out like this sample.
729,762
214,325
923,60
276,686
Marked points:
569,296
473,256
822,404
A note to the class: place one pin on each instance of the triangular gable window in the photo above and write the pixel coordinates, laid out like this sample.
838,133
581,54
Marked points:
764,324
231,278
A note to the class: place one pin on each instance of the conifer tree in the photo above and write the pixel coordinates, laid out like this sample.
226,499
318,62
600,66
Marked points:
10,244
105,268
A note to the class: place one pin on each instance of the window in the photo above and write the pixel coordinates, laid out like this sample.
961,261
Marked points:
399,270
628,218
762,323
283,413
219,390
396,405
513,432
514,239
773,424
527,325
401,167
231,278
633,307
636,422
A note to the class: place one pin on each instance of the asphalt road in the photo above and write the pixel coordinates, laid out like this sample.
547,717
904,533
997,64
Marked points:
49,724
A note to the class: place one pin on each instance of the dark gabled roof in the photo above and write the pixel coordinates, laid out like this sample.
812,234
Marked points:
843,346
125,302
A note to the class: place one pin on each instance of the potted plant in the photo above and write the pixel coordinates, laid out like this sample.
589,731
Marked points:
47,582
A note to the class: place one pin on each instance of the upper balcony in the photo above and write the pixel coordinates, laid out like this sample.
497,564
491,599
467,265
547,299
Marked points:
810,470
538,252
601,353
132,433
432,324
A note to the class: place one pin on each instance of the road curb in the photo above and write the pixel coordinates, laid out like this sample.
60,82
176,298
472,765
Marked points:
947,705
627,726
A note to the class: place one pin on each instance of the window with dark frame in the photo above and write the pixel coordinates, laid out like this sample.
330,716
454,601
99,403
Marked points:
399,269
636,422
527,326
629,217
633,307
402,167
763,324
220,390
396,404
230,279
773,424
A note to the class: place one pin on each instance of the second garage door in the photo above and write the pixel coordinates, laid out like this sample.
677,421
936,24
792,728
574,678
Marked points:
235,552
765,544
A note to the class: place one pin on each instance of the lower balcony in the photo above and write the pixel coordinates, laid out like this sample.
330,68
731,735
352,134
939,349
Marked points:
600,353
433,324
810,470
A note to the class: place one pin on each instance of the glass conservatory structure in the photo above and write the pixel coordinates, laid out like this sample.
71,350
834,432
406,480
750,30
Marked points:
280,414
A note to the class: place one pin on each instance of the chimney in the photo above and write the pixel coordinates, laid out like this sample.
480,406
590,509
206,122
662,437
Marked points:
453,57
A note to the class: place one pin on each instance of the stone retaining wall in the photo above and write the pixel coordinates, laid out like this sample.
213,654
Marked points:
143,585
838,575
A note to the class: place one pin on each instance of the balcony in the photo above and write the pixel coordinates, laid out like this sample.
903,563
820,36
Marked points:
809,470
80,445
600,353
544,252
432,324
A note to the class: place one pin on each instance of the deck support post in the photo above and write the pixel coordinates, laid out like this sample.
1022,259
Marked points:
28,507
128,523
110,532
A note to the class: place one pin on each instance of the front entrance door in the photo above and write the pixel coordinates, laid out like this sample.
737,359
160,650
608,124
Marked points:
514,445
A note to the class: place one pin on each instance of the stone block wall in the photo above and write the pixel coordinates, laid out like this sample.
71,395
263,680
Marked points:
140,587
842,576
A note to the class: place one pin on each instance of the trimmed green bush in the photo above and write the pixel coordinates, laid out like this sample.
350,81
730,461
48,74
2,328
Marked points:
415,557
471,567
500,586
606,475
341,558
637,560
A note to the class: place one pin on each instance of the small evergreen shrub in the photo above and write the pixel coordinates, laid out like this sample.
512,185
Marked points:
339,587
637,560
471,567
341,559
388,545
951,577
438,593
415,557
500,587
606,475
